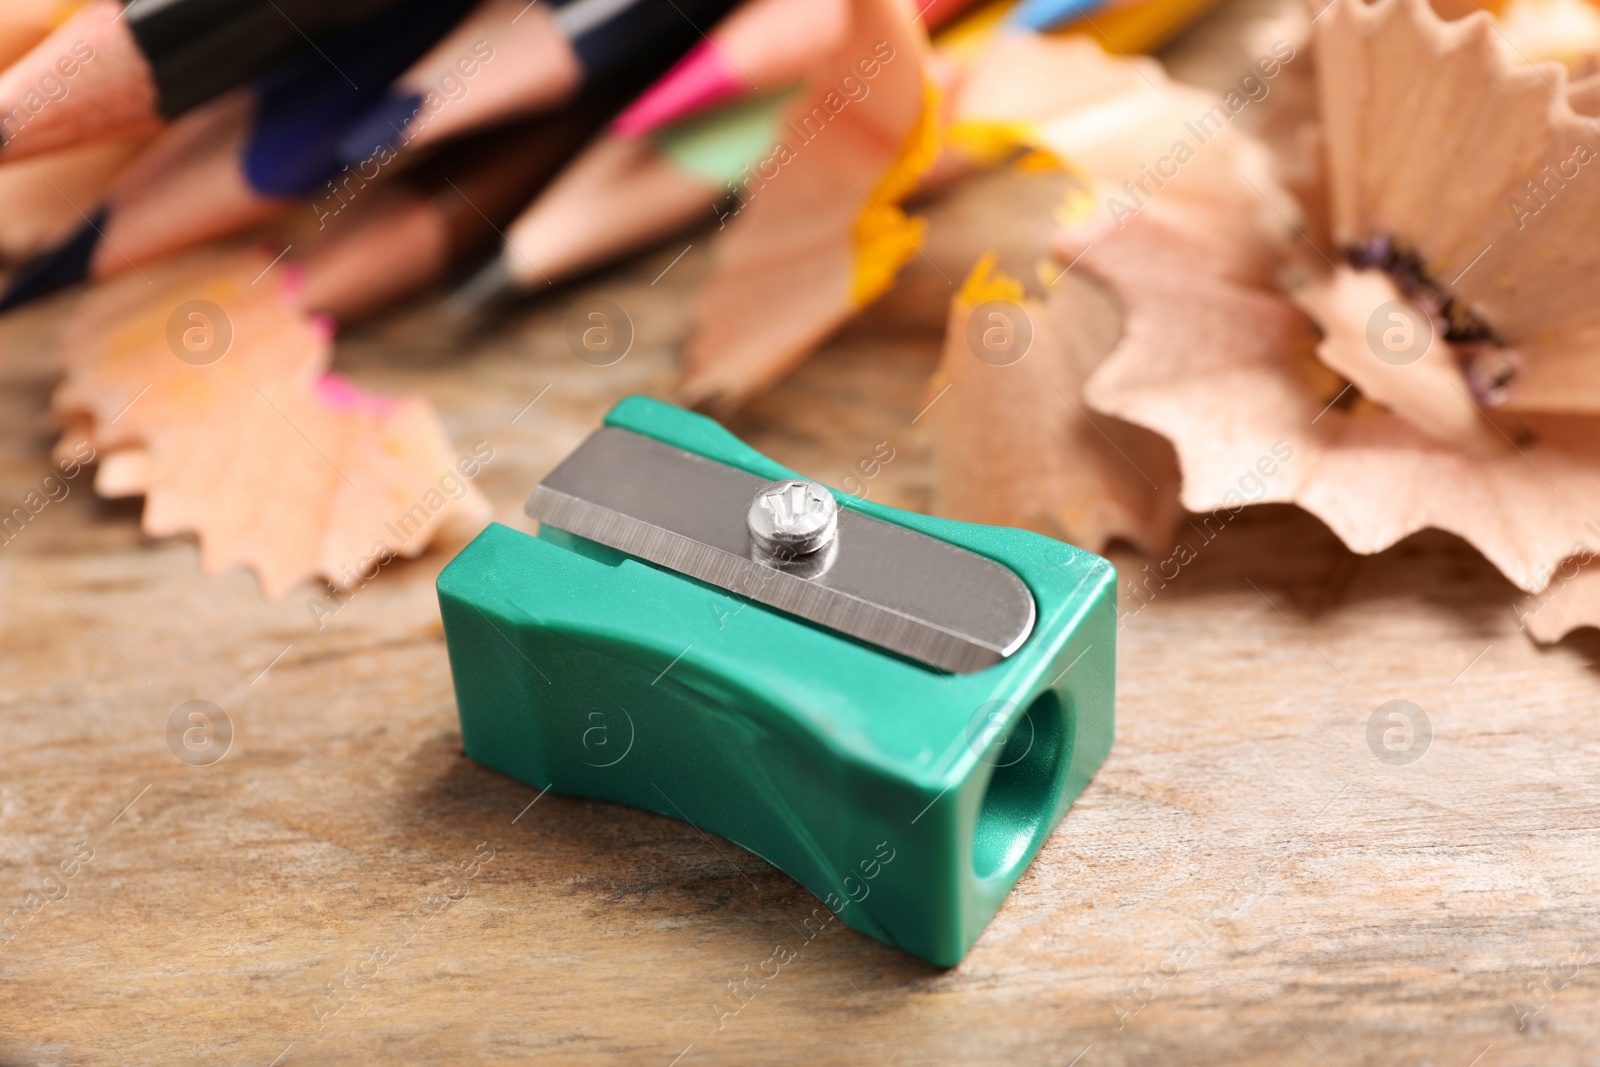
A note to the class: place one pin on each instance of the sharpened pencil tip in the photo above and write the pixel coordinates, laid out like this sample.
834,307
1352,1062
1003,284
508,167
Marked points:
64,265
382,127
489,287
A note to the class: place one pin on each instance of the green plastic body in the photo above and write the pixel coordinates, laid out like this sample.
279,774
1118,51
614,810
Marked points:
908,799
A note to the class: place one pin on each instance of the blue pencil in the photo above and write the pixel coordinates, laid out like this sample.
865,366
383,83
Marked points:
1042,15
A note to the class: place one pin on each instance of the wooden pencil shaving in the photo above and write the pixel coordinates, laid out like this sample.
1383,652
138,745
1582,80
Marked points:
1421,382
1016,445
1457,375
210,396
1019,442
1500,230
1408,344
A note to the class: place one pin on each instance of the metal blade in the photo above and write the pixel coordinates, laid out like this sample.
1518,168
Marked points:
887,585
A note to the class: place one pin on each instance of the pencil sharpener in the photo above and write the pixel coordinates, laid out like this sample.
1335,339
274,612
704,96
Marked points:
895,710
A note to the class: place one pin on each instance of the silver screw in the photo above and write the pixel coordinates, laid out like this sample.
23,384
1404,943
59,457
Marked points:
793,518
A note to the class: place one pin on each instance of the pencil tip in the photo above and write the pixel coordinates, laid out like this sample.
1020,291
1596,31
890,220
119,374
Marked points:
491,286
64,265
700,79
382,127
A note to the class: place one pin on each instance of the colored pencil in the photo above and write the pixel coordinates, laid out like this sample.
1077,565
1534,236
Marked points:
526,59
448,210
1127,25
37,196
628,193
242,159
937,14
762,46
112,70
414,230
1042,15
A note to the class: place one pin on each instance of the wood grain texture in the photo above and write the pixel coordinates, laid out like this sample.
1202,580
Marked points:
1244,882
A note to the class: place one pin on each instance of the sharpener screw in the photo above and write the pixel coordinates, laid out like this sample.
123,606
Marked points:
793,518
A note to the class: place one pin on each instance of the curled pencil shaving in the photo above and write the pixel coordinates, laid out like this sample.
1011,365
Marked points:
1501,233
1016,445
1568,601
268,459
1394,363
1487,428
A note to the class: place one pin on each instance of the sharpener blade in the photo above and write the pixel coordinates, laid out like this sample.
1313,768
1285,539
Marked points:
888,585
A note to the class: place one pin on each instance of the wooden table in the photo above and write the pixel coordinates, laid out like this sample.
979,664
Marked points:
1246,881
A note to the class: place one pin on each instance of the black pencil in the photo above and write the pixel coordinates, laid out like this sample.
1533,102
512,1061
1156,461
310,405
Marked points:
116,68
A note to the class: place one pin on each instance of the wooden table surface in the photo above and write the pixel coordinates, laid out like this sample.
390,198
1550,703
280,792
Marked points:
1246,881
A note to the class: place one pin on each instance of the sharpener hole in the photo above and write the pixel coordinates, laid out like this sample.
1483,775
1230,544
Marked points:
1022,790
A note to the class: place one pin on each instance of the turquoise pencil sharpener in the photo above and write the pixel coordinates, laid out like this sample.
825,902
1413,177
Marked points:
895,710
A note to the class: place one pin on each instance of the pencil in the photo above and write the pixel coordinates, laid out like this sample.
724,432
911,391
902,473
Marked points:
37,195
1041,15
111,70
411,233
525,59
763,45
242,159
627,193
1125,25
937,14
448,210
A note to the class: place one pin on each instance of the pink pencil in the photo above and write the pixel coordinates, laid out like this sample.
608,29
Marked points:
762,45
